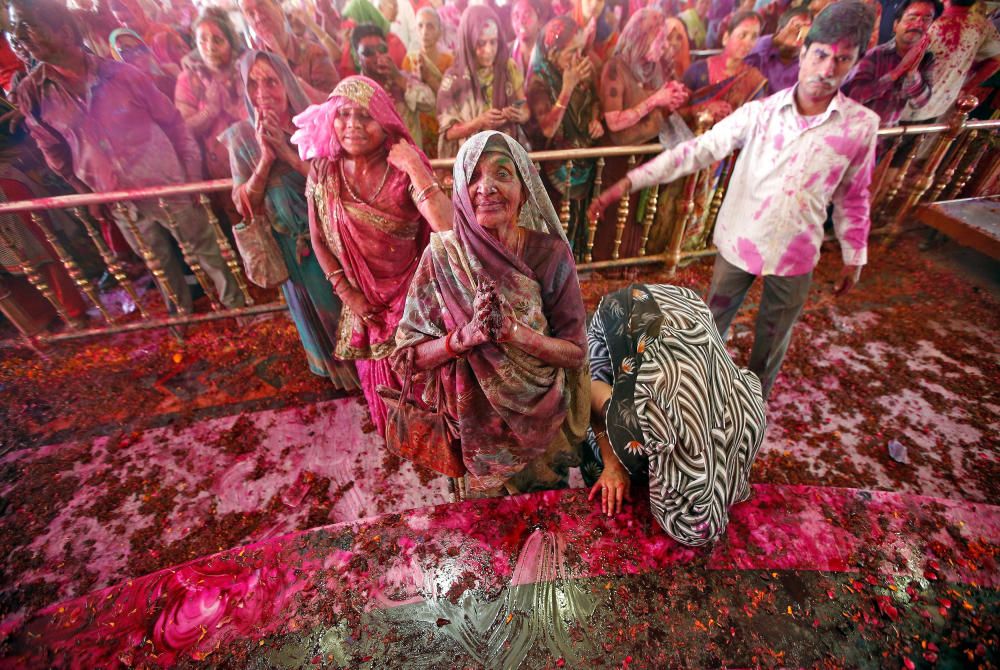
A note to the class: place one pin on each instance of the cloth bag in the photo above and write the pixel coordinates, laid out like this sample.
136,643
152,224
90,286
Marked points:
262,259
424,436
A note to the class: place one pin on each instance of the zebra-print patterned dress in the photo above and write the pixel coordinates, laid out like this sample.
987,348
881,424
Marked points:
681,412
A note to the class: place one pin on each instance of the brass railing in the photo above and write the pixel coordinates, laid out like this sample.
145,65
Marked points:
940,164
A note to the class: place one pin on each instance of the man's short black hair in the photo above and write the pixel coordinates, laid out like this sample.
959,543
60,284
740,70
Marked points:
790,14
938,7
363,30
849,20
54,14
964,3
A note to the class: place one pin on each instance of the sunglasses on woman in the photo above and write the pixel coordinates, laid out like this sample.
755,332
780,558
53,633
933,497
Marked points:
368,52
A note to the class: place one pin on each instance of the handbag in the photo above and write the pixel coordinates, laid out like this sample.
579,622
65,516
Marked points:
262,259
424,436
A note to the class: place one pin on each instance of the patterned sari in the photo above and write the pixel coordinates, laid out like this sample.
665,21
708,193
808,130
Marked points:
377,243
520,420
468,90
681,413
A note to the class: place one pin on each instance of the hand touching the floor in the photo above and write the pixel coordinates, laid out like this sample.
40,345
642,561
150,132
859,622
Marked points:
614,485
849,276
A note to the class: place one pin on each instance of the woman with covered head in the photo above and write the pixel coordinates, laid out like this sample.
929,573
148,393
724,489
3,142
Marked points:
372,203
483,90
669,408
128,47
563,100
209,92
269,179
495,309
639,97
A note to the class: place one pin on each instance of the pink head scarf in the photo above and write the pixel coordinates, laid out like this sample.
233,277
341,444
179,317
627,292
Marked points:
316,137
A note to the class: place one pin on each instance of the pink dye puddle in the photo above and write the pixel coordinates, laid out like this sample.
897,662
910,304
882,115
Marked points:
448,553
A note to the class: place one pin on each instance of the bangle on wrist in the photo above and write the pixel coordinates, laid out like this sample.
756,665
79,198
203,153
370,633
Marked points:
334,273
426,192
599,434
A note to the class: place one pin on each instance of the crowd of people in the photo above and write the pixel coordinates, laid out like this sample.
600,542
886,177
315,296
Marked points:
325,118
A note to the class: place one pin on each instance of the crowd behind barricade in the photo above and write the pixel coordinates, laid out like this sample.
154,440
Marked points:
325,117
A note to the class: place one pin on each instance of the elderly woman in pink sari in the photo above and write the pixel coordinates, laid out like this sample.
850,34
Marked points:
373,201
495,309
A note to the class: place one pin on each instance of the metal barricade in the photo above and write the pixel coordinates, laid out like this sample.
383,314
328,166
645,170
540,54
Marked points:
939,164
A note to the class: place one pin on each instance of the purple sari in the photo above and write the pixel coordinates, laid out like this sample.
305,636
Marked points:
520,420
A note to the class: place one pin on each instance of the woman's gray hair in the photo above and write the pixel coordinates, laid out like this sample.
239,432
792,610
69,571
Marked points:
537,212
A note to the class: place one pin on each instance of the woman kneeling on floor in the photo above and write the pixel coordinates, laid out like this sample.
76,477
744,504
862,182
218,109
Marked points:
669,407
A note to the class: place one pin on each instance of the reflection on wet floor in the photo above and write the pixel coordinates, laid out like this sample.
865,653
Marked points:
544,579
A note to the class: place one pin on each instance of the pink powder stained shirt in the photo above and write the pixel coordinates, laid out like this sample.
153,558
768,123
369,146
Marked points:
960,38
121,133
790,168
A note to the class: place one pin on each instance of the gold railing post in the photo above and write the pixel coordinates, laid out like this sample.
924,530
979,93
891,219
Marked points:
71,267
228,254
900,178
189,256
882,170
622,215
966,174
564,206
672,255
965,104
716,203
114,265
949,172
152,262
647,219
592,224
36,280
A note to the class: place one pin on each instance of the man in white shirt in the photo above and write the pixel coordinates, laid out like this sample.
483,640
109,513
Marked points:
802,149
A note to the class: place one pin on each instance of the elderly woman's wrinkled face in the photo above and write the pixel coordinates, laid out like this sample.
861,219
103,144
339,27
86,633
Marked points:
496,191
486,45
429,28
265,18
266,90
357,131
213,46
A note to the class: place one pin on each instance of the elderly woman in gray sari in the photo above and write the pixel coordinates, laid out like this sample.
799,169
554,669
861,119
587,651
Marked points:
668,406
495,309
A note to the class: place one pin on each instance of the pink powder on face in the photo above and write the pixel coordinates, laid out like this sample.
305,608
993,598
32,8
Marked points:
748,251
798,257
